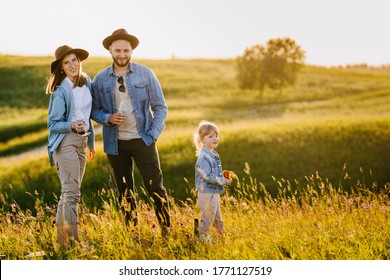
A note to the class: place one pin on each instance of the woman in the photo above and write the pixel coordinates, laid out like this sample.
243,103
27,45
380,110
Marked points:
71,136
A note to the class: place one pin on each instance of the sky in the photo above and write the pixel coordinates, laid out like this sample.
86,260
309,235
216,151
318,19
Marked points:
331,32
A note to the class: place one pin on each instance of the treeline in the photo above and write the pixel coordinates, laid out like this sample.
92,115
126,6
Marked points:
364,66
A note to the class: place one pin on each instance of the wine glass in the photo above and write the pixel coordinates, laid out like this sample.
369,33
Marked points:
81,118
122,108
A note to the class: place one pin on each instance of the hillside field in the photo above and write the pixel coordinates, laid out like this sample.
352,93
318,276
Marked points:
316,157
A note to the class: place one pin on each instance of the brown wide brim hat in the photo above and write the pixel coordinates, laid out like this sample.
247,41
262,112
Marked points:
63,51
121,34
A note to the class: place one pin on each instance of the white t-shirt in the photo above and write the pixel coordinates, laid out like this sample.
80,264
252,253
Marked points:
128,130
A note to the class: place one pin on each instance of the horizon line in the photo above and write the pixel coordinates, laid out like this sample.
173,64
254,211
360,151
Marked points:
174,57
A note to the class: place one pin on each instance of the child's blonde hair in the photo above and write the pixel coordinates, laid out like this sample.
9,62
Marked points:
204,128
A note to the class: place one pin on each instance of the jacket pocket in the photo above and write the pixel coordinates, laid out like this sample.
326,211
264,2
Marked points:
141,90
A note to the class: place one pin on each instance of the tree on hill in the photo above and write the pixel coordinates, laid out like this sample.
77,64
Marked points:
275,65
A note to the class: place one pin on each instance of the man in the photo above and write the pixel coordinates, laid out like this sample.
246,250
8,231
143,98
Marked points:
129,103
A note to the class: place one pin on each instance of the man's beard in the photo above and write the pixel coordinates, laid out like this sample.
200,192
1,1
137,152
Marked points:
121,64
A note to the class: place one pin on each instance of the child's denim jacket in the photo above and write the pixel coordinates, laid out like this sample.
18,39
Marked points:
208,172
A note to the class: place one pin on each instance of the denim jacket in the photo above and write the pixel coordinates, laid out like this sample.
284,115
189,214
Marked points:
146,96
59,119
208,172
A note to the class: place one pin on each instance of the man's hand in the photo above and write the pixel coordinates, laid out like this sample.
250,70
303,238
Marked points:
117,118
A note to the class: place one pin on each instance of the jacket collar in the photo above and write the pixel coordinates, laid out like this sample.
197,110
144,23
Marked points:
209,152
111,71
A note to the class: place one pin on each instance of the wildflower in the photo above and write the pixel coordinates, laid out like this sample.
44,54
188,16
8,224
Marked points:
40,214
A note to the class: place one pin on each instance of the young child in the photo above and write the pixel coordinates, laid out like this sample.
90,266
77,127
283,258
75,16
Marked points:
209,180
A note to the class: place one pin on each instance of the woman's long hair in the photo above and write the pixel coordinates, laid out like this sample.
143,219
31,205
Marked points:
59,75
204,128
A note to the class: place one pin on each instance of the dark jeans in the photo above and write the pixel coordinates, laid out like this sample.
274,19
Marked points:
148,163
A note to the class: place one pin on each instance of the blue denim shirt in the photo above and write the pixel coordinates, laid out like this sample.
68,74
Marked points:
208,172
146,96
59,119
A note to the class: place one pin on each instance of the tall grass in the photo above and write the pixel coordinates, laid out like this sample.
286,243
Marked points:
317,222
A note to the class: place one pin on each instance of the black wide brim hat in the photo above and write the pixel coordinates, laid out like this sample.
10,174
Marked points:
63,51
120,34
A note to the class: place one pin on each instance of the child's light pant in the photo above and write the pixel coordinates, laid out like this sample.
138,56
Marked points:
210,213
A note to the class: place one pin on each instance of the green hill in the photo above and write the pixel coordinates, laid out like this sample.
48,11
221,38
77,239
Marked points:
333,122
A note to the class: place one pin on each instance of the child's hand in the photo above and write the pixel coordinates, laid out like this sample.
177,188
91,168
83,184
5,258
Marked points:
228,181
229,175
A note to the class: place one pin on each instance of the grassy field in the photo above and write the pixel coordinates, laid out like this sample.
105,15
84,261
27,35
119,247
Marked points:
318,222
316,157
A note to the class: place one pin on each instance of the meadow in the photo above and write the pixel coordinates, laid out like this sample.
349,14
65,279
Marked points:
312,166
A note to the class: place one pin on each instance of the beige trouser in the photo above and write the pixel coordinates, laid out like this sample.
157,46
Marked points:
70,161
210,213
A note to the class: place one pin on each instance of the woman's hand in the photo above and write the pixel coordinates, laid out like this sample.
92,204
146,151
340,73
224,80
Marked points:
78,126
90,153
